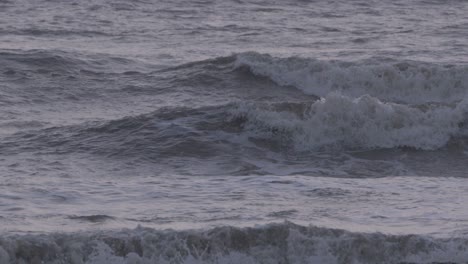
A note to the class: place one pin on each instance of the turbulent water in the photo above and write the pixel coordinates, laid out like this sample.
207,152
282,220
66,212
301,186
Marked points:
241,131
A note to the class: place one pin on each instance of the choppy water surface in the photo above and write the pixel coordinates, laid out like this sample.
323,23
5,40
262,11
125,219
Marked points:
233,131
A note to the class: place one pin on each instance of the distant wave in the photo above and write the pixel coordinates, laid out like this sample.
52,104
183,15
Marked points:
19,62
36,31
47,62
273,243
38,76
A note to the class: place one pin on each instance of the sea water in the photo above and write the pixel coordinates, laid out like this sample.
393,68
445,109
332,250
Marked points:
242,131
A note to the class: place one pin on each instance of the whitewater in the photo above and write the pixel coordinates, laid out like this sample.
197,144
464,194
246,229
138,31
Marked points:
233,131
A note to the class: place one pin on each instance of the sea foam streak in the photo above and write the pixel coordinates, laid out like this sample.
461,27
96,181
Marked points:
273,243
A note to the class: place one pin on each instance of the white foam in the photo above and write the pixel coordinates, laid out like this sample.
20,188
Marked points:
409,82
338,121
273,243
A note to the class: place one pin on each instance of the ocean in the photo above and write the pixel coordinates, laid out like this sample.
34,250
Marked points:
233,131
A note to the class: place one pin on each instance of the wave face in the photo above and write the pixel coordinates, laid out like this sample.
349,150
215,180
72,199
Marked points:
274,243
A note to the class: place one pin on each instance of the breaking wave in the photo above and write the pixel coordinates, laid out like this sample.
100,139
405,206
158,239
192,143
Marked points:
398,81
331,123
361,107
272,243
338,121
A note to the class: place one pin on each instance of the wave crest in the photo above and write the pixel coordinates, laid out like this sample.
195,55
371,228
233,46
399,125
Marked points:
398,81
273,243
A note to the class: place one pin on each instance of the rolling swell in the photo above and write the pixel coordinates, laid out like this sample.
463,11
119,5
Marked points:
54,63
38,76
273,243
45,62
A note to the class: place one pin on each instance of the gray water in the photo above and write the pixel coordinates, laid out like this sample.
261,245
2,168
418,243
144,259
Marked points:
233,131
